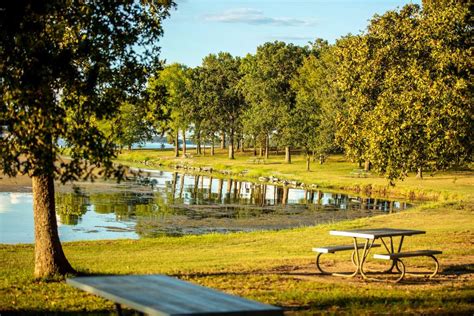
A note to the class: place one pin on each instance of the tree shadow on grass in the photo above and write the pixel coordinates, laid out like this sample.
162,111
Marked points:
458,269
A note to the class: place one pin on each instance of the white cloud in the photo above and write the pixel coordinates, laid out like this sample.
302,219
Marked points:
255,17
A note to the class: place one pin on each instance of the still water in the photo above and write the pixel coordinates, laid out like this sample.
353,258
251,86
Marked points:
168,203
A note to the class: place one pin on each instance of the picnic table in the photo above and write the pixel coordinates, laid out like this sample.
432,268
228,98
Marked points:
163,295
393,252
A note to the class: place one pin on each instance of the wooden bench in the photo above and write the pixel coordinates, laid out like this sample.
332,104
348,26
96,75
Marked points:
163,295
334,249
410,254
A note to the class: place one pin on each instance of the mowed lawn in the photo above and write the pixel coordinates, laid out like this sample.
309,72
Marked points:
272,267
277,267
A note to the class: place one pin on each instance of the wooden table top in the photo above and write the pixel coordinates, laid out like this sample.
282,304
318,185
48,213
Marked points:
376,232
162,295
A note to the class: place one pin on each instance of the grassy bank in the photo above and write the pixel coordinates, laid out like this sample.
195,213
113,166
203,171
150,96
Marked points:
336,173
272,267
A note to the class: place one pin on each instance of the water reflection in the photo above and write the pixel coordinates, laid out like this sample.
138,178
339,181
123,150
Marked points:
177,204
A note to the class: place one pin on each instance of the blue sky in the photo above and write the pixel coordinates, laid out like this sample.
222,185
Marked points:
200,27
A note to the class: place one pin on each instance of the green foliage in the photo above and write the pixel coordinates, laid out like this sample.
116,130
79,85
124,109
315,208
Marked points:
266,88
63,67
409,94
317,102
173,79
221,101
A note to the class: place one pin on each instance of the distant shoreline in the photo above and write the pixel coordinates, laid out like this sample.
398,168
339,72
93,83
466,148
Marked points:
20,183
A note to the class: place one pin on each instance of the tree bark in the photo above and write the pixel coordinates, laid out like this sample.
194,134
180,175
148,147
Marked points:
222,140
267,145
231,145
212,146
176,145
419,173
255,146
184,143
49,256
308,162
287,154
198,144
367,165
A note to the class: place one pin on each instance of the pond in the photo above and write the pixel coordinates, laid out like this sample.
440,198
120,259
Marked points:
175,204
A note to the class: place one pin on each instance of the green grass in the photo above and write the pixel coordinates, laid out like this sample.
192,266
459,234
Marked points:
334,174
272,267
275,267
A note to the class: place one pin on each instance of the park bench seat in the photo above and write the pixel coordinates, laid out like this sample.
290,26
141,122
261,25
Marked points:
407,254
334,249
396,257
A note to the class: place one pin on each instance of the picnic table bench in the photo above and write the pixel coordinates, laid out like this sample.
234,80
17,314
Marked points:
257,160
359,173
163,295
393,253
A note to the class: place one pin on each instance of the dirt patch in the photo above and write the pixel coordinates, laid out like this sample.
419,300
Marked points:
16,184
455,271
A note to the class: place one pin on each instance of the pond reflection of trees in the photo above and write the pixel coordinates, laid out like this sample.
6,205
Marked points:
178,204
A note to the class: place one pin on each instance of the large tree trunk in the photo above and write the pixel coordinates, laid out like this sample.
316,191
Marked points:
231,145
212,146
287,154
184,143
49,255
176,145
222,140
308,162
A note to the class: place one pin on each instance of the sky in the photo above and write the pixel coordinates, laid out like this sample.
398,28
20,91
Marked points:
198,28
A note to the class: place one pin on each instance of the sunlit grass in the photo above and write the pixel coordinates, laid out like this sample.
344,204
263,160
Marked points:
272,267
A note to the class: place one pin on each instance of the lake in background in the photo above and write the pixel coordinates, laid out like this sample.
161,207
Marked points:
174,204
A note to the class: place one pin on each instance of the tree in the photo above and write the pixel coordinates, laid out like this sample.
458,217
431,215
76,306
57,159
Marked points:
63,66
173,79
409,92
222,99
317,102
266,87
130,126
